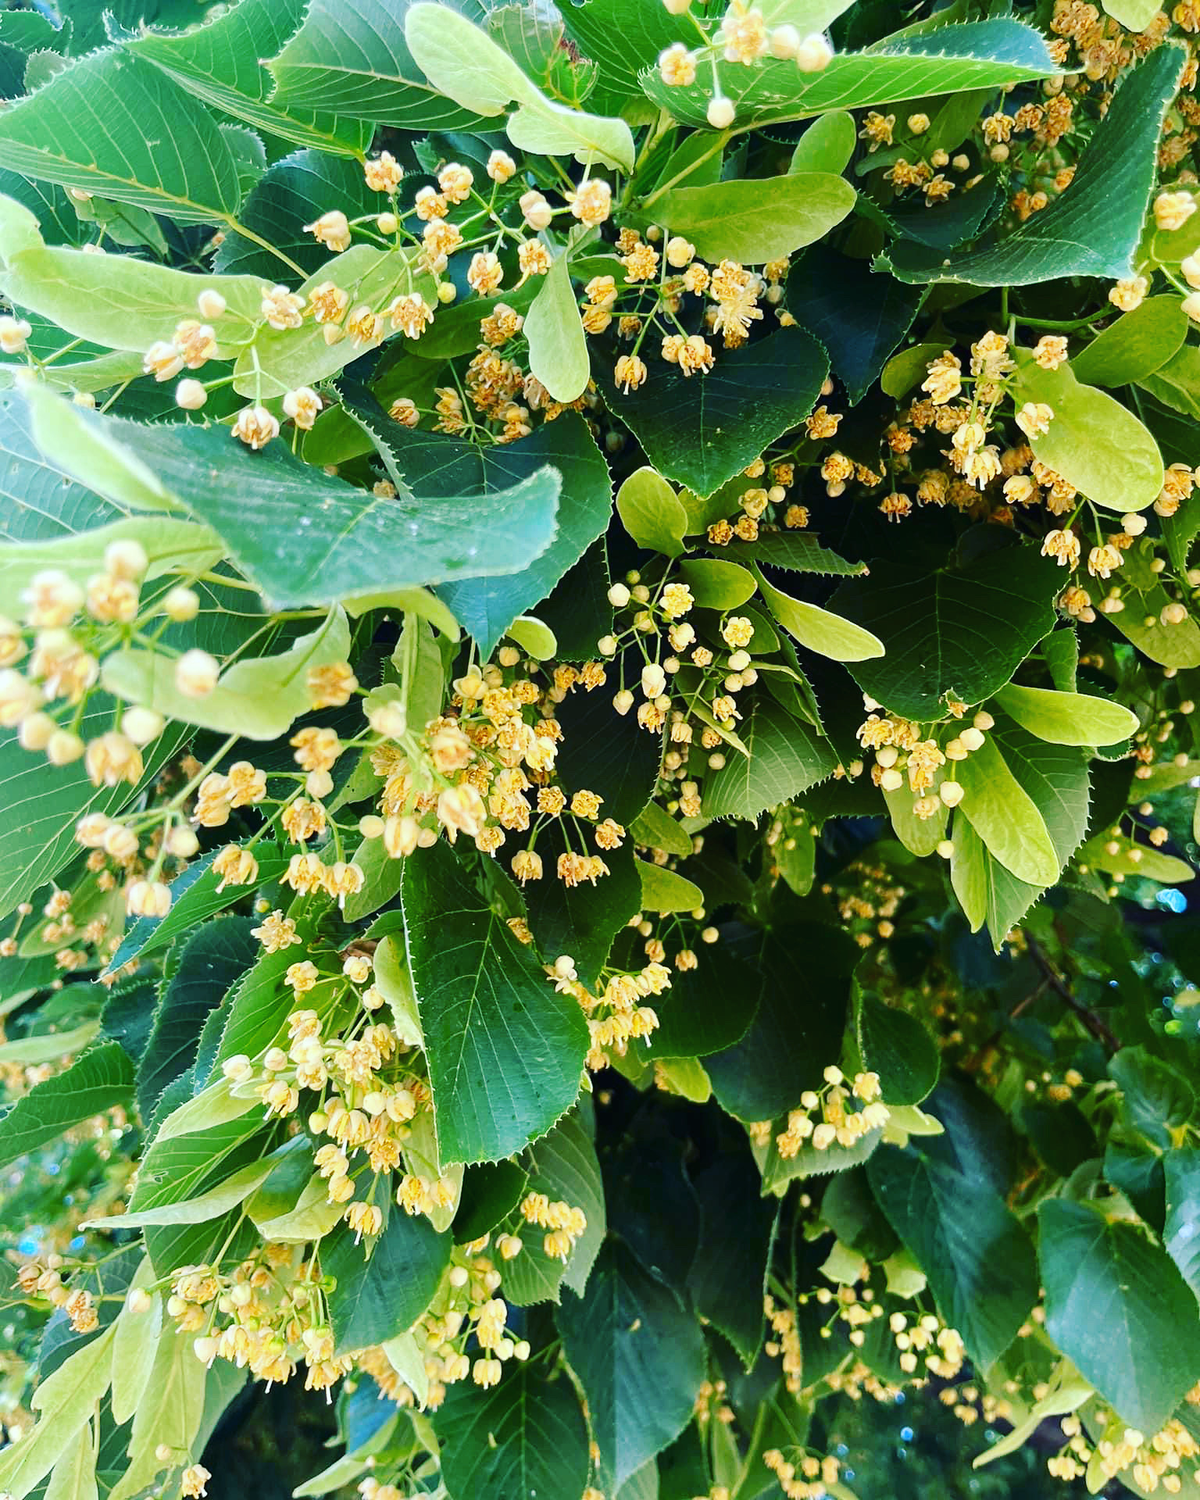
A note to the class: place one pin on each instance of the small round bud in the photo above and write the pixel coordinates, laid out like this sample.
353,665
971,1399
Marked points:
891,780
720,113
945,848
387,223
618,596
785,42
181,604
196,673
182,842
139,1300
63,747
142,725
126,559
814,54
447,292
190,395
607,645
952,792
971,738
210,303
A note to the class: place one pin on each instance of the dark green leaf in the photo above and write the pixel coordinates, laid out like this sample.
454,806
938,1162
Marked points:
1094,227
525,1439
1181,1235
99,1080
707,1009
956,631
211,960
1118,1308
504,1050
859,317
797,1030
607,753
581,920
978,1259
728,1275
1156,1099
639,1357
376,1299
701,430
895,1044
490,1192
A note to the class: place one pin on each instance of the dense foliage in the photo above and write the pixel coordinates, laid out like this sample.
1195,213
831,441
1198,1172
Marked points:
598,667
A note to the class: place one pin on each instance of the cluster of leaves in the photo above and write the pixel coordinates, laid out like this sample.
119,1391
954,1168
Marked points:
597,669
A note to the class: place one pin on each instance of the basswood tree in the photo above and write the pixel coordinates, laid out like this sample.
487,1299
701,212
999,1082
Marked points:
598,669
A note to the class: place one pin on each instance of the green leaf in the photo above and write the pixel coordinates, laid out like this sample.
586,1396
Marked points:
639,1357
168,543
66,1400
946,60
495,1030
894,1044
134,1348
651,513
305,538
1156,1100
292,192
753,220
959,631
378,1298
818,629
1181,1233
1067,718
533,637
40,807
114,301
210,1204
664,891
1006,817
258,697
622,39
1094,227
827,145
1136,345
463,62
1130,858
102,115
728,1274
562,1165
524,1437
1118,1308
796,1031
785,758
581,920
701,430
488,478
796,551
655,828
558,352
1056,779
1141,622
97,1081
1093,441
350,56
173,1418
1176,382
221,61
979,1261
859,316
717,585
194,896
74,1476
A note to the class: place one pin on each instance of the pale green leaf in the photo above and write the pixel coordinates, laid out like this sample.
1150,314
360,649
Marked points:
753,220
66,1400
664,890
1067,718
95,127
1093,441
819,629
827,145
651,513
466,64
135,1346
1136,345
74,1476
716,584
169,544
258,697
210,1205
558,352
1006,817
